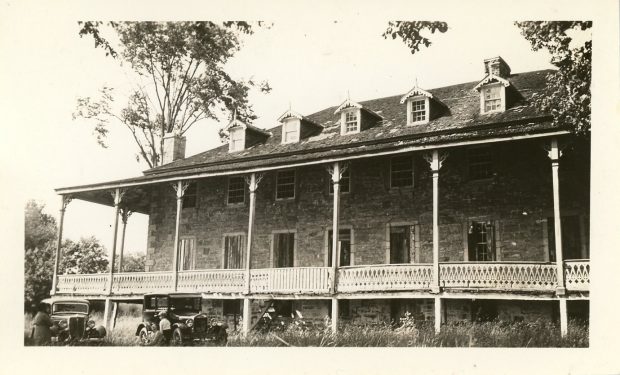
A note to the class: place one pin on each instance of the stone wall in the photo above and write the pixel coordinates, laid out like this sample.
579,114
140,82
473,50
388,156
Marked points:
517,199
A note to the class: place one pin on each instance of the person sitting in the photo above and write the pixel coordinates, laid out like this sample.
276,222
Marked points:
165,327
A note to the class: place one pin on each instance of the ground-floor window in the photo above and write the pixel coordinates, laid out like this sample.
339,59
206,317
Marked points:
231,306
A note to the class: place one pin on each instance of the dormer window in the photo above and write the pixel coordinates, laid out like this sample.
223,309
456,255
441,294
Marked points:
492,98
418,110
494,85
237,140
351,122
418,106
290,131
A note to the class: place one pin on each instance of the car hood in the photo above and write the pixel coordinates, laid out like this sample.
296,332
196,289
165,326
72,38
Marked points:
68,315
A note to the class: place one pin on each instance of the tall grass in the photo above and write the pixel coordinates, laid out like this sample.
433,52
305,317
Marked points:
536,334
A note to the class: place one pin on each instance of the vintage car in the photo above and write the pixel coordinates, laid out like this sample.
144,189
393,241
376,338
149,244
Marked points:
72,321
187,321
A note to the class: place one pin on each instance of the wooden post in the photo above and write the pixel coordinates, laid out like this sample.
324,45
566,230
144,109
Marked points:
438,314
563,317
336,174
125,213
435,160
554,155
180,188
118,196
247,316
335,313
252,182
114,314
64,201
106,314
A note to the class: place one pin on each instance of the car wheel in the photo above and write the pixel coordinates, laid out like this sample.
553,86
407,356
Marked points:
177,337
146,337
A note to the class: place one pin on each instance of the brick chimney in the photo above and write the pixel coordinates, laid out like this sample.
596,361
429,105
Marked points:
174,148
497,66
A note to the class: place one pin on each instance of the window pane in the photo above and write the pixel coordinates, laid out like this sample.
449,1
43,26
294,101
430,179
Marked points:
236,190
345,182
290,131
285,185
350,122
480,164
481,242
189,198
284,248
492,98
401,174
418,110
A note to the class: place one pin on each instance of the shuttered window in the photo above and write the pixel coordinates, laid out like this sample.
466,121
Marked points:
233,251
283,250
187,254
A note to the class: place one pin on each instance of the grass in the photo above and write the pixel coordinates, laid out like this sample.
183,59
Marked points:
538,334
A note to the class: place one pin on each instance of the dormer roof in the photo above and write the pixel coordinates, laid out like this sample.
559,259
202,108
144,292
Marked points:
237,122
415,91
296,115
347,104
490,78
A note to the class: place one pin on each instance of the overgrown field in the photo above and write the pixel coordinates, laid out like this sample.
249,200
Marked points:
488,334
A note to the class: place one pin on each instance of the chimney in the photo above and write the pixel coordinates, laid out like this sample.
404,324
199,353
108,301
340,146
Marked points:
174,148
496,66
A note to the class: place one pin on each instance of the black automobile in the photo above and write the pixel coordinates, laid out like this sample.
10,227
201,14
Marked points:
72,321
187,320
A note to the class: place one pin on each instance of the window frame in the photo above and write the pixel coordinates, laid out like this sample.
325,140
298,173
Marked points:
272,255
330,183
294,171
502,98
231,144
427,112
489,163
228,202
291,122
243,246
327,259
181,253
191,192
412,172
343,121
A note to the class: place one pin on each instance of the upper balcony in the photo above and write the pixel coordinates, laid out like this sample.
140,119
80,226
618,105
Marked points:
509,277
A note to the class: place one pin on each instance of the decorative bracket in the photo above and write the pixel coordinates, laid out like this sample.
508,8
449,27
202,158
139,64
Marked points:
257,179
180,188
118,198
66,199
554,150
343,168
435,159
125,213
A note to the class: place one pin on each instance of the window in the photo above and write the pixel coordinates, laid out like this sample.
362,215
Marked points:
285,184
345,182
479,162
283,250
492,98
344,237
189,197
400,244
418,110
231,307
283,308
234,245
157,302
401,171
481,242
237,139
236,190
574,238
290,131
187,254
350,122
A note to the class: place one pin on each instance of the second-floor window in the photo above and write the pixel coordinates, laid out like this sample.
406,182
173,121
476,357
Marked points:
234,245
344,237
236,190
285,184
492,98
291,131
481,241
345,182
189,197
350,122
187,254
479,163
418,110
401,171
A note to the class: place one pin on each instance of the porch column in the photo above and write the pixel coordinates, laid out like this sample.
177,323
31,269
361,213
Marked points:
247,316
563,317
118,196
335,313
336,173
435,159
125,213
180,188
106,314
438,314
64,201
252,182
554,155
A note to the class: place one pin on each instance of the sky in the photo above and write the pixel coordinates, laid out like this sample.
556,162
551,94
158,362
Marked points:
309,66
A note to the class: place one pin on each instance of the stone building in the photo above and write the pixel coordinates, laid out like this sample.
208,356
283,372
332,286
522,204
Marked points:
456,203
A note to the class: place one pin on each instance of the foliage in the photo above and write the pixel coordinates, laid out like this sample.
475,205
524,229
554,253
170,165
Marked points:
179,67
132,262
40,242
570,46
411,32
85,256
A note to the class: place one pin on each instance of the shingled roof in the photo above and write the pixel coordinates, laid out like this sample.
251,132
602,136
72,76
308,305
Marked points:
460,120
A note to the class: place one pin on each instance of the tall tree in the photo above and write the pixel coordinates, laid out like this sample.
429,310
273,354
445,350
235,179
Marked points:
181,80
411,32
85,256
570,46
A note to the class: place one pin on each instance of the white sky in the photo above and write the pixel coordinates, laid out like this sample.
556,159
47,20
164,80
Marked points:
309,65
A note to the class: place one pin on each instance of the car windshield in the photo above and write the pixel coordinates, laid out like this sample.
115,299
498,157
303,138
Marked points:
186,304
70,307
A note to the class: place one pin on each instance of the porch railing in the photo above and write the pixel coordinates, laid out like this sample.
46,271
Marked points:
384,277
212,281
141,282
498,275
83,284
290,280
577,274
